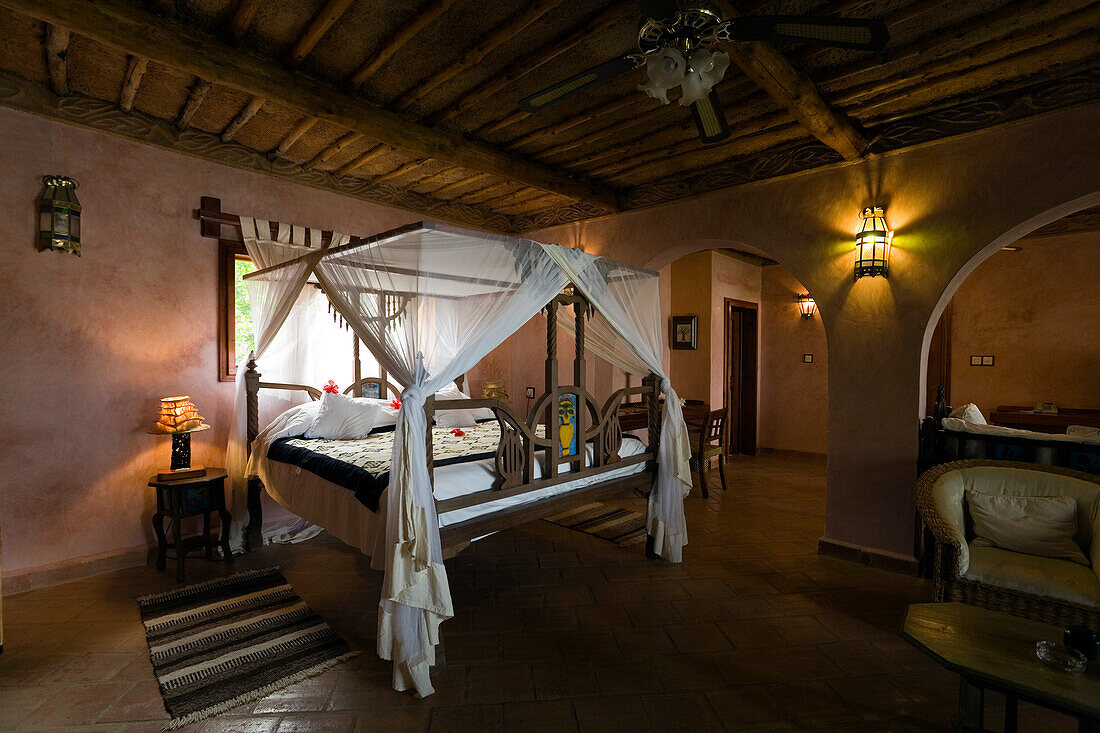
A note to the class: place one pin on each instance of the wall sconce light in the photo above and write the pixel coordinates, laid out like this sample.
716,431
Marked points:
873,243
806,305
59,216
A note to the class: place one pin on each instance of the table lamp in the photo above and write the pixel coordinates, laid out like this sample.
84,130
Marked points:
179,418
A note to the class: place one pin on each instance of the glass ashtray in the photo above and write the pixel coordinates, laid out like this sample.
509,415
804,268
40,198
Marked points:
1053,654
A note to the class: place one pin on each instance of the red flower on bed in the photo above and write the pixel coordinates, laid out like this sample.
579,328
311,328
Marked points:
331,387
458,432
396,404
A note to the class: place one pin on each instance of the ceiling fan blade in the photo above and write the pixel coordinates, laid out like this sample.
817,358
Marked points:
659,9
579,82
710,120
868,35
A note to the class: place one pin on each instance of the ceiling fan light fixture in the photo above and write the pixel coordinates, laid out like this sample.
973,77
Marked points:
707,69
666,69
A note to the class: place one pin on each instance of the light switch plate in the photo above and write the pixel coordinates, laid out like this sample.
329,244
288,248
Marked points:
975,360
807,358
987,361
530,393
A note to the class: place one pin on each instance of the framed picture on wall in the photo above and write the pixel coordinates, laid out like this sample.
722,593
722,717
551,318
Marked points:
685,332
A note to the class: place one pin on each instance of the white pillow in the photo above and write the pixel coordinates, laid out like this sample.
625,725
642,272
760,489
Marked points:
452,392
1083,431
455,419
970,413
340,417
387,415
1035,525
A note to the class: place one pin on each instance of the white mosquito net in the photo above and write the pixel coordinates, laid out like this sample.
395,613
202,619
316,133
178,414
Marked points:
430,301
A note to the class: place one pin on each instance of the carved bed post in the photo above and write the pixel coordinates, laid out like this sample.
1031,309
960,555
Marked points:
653,420
429,414
580,374
253,539
551,418
356,367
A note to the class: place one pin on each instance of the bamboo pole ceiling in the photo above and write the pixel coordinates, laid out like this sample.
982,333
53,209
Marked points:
415,104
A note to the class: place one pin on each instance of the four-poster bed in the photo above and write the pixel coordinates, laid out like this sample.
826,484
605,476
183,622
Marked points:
429,301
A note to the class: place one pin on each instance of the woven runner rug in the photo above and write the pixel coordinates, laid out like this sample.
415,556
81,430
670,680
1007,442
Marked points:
219,644
622,526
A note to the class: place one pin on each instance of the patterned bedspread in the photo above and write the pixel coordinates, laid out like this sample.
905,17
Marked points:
363,466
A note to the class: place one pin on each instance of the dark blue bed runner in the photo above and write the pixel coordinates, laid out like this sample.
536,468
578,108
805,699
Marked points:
366,486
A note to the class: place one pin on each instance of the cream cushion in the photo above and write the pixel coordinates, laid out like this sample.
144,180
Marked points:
949,491
1034,525
1059,579
970,413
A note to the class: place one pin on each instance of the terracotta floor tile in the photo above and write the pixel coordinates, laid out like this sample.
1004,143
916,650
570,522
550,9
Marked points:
554,629
550,716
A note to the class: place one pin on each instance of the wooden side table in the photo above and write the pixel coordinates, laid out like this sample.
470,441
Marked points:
177,500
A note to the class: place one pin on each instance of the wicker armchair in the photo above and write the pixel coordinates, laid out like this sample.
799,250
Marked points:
954,578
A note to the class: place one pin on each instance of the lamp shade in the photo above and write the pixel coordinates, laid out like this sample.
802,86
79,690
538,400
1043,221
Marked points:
873,244
177,415
806,305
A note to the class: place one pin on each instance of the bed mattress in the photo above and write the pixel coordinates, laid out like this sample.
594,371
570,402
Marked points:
339,497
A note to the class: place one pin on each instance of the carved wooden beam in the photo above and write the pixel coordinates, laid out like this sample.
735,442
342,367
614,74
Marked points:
134,71
547,131
420,20
118,24
317,28
362,160
247,113
194,101
500,35
242,19
57,50
162,7
341,144
292,137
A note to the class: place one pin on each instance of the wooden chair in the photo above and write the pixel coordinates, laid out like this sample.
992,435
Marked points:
706,431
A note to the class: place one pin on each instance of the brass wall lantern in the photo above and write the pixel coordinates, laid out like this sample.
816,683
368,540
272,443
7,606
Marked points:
59,216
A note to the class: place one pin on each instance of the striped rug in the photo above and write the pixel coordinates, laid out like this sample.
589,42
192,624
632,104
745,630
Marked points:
622,526
217,645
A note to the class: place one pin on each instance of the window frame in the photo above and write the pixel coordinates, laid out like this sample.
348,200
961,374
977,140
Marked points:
228,253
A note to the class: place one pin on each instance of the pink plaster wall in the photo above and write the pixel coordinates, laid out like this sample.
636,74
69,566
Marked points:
794,396
737,280
90,344
1037,313
691,296
950,204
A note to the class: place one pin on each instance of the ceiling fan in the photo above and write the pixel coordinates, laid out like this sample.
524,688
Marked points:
678,48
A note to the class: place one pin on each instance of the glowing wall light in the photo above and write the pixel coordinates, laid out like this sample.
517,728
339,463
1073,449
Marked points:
806,305
873,243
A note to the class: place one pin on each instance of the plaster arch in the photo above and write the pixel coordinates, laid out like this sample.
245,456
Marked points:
1009,236
947,201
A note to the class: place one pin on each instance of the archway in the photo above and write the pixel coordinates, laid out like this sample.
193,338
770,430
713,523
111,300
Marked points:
1010,237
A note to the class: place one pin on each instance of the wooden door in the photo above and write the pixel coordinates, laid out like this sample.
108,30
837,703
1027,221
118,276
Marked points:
740,382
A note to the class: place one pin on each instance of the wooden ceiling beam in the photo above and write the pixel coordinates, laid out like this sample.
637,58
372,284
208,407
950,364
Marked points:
497,37
942,42
555,128
162,7
195,97
135,69
57,51
361,160
984,54
328,153
301,128
594,24
247,113
401,170
459,184
242,19
480,193
1018,70
419,21
773,73
118,24
316,30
